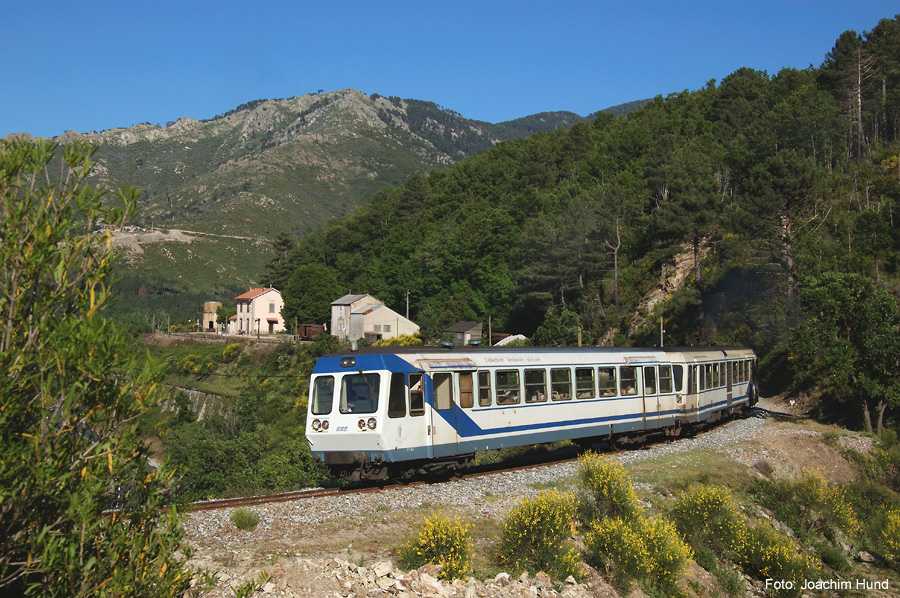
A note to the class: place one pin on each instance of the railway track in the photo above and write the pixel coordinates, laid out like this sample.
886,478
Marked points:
561,456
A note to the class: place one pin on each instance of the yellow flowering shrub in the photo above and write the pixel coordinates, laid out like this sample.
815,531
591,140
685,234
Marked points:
608,488
639,549
768,554
443,542
707,516
825,503
890,535
536,535
619,545
669,555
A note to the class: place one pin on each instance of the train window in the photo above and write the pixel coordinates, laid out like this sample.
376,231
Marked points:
649,380
561,384
535,386
323,395
416,396
606,378
628,380
665,379
484,389
707,381
359,393
466,390
397,396
584,383
507,387
692,379
678,374
735,373
443,391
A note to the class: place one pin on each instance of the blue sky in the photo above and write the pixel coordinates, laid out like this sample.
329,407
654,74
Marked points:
95,65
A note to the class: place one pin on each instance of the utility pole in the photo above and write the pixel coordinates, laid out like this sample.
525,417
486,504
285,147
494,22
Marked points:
661,332
407,304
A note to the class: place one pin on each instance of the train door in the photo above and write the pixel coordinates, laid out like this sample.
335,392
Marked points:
729,379
651,397
444,437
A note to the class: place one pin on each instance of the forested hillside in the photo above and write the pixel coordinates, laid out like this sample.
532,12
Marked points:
756,184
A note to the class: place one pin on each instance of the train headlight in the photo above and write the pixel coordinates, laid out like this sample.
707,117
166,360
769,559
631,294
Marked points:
362,424
316,425
371,423
324,425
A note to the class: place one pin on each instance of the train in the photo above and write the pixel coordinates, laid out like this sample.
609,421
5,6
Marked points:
397,412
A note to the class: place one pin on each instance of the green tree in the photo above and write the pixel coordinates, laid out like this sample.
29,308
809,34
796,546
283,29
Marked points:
69,397
561,328
309,293
850,342
279,268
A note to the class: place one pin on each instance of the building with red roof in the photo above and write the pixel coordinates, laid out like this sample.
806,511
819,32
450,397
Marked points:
258,312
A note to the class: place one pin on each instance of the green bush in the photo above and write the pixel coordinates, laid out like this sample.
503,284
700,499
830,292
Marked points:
245,519
536,535
607,487
71,393
443,542
707,516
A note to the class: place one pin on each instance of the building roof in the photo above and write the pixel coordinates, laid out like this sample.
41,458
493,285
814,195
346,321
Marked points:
254,293
348,299
464,327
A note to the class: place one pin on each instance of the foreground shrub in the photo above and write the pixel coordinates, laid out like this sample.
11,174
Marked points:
669,555
443,542
607,487
809,506
536,535
707,516
647,550
890,535
619,545
769,554
245,519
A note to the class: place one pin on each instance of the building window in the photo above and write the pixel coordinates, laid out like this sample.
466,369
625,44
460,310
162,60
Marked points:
272,307
387,327
377,327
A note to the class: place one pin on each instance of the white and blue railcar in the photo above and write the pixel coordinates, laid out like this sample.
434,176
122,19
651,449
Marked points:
379,412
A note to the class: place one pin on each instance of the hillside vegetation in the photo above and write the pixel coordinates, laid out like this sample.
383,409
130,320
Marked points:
711,209
270,166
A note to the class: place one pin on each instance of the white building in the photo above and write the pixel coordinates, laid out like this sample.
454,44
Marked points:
258,312
363,316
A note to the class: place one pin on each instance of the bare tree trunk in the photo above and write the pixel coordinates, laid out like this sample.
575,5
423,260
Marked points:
867,418
882,405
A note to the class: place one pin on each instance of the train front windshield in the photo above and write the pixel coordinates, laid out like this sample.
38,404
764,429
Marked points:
358,394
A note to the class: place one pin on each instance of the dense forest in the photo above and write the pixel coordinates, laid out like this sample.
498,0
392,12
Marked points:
755,185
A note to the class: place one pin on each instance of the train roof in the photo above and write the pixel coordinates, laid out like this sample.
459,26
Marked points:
697,350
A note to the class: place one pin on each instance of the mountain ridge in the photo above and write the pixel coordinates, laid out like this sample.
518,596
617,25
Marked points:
271,166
